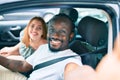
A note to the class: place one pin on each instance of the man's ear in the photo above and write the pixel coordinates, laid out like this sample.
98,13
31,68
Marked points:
72,36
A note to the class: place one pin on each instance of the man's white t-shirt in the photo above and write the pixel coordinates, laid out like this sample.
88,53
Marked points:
54,71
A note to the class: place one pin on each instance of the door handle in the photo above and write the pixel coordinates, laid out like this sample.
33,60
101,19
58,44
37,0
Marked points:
15,28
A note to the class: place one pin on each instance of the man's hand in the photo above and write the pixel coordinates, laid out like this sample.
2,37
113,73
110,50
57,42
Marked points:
109,66
107,69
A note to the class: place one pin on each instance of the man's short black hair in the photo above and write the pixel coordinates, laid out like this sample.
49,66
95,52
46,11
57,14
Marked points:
62,18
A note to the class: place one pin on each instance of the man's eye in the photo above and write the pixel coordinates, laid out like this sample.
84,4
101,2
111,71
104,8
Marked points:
63,32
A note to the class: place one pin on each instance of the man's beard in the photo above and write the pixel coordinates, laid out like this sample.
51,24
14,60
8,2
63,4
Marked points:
53,49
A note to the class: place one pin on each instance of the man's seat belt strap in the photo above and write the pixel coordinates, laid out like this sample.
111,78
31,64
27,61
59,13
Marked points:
50,62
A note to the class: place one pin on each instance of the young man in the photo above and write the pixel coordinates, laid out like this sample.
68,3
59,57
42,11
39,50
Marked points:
60,32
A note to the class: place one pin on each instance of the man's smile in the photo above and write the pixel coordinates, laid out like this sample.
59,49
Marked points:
55,42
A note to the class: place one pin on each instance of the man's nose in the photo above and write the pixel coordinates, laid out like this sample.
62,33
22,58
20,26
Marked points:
56,34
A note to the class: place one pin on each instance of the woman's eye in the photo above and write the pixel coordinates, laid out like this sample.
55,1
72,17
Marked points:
32,26
39,28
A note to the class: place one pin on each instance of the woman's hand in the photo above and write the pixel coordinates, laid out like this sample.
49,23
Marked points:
5,51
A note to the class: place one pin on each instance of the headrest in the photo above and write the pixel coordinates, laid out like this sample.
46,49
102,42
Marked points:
94,31
71,12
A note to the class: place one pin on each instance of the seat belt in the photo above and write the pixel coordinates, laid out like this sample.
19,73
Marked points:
50,62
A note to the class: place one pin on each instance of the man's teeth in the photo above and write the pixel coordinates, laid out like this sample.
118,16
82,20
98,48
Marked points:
55,41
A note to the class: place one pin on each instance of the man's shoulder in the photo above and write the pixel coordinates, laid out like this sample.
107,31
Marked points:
43,46
69,51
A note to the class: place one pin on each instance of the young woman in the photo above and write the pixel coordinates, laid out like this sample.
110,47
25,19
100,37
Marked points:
35,34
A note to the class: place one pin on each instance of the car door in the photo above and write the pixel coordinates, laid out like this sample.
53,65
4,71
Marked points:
10,29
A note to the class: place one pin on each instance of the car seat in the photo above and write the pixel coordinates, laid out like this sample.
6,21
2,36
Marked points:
94,35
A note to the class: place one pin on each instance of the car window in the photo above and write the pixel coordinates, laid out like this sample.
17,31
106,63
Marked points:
24,15
14,21
97,13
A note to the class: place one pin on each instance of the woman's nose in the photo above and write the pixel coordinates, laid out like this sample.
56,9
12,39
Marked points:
35,29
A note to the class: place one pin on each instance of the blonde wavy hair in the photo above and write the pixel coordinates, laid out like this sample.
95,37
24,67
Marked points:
26,37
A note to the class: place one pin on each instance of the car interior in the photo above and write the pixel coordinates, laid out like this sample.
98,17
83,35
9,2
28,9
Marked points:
94,34
92,29
91,34
96,25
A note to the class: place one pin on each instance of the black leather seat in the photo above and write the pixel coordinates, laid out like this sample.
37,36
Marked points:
94,35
